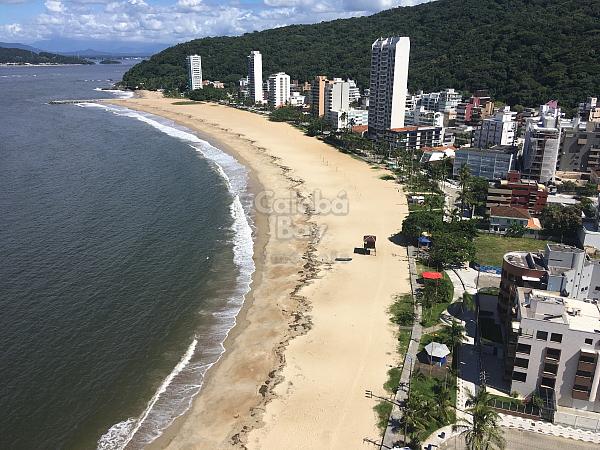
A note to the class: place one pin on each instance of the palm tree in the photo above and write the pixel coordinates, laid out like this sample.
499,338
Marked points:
445,405
464,180
455,334
483,429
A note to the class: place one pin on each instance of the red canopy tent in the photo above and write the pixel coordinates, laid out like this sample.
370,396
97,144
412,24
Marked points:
431,275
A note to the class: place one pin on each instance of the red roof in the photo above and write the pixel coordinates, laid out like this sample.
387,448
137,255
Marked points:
432,275
359,129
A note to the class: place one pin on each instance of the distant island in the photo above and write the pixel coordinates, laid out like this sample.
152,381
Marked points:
19,56
109,61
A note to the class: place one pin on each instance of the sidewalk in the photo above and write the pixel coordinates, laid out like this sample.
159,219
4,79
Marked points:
394,433
548,428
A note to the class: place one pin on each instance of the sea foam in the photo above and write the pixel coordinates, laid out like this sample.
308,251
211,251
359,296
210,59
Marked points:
175,394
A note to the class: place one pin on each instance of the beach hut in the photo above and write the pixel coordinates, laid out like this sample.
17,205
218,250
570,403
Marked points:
369,243
424,243
437,353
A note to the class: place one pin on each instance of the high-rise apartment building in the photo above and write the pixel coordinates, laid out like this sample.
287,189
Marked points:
317,101
542,142
194,66
255,78
497,130
279,89
388,84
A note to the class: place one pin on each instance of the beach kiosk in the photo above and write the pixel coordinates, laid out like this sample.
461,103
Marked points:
437,353
369,243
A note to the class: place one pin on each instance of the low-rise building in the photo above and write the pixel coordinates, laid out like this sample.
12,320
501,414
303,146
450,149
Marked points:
556,347
492,163
346,119
414,138
503,218
513,191
296,99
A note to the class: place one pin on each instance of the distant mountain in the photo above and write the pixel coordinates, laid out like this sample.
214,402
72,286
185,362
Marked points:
523,51
19,46
20,56
95,48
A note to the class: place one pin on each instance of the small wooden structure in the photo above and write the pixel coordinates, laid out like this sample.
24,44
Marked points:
369,243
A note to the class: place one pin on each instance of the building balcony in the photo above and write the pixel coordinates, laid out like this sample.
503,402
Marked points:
586,366
580,395
583,381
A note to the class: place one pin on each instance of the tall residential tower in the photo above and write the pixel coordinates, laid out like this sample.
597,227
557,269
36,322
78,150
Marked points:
388,86
279,89
194,66
255,78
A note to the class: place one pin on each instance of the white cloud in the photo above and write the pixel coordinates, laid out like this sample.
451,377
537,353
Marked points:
54,6
181,20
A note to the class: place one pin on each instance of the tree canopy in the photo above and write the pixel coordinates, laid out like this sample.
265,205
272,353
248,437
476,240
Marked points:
499,45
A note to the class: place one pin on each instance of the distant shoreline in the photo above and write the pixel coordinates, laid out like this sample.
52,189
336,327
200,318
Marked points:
40,65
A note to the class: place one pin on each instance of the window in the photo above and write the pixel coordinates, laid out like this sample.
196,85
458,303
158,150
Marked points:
523,348
542,335
553,353
522,362
556,337
548,382
587,359
584,373
519,376
551,368
589,341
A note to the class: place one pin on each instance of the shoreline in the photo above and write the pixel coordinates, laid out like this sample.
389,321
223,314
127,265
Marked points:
266,368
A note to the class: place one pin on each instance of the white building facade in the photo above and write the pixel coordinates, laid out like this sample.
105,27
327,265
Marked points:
557,348
542,143
279,89
194,66
255,78
388,83
497,130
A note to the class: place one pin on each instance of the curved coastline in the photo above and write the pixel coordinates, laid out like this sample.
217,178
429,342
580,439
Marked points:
135,431
269,390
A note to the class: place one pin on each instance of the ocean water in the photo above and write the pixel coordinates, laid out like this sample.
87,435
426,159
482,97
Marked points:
126,252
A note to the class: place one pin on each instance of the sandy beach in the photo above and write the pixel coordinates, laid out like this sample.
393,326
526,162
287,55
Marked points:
314,333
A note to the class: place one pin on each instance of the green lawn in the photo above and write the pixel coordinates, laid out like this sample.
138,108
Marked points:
491,248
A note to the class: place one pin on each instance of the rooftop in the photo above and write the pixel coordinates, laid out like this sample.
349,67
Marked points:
580,315
504,149
510,212
526,260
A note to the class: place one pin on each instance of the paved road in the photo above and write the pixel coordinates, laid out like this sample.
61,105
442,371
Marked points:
525,440
394,433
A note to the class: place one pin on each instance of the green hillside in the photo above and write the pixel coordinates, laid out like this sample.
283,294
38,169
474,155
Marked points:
524,51
20,56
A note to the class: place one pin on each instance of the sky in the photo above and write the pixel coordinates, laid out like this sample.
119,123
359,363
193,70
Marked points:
167,21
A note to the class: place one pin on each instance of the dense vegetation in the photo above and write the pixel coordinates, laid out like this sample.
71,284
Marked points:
19,56
109,61
524,51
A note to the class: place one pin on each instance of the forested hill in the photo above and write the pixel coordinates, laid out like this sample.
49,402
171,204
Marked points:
524,51
20,56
